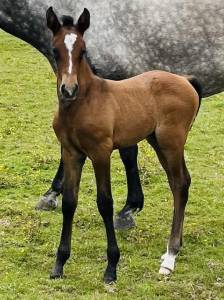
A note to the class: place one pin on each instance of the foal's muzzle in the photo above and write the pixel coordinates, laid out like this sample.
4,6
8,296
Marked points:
69,93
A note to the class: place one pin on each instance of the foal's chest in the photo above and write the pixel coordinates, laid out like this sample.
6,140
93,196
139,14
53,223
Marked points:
74,132
65,131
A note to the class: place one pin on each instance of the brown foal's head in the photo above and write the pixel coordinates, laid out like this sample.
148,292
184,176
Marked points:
68,49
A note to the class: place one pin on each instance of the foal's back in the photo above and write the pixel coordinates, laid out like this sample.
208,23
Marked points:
145,102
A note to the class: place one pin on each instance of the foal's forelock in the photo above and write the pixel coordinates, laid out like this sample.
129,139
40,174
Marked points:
69,41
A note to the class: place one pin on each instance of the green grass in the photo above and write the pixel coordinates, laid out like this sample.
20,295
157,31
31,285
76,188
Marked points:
29,154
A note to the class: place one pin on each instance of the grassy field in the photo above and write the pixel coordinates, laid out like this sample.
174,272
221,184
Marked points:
29,156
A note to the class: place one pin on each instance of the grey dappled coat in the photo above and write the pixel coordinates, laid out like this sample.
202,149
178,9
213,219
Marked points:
128,37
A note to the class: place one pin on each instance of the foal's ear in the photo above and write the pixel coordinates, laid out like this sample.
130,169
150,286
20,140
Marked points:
83,21
52,21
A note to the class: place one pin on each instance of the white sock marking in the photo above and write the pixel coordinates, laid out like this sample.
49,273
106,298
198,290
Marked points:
69,43
168,263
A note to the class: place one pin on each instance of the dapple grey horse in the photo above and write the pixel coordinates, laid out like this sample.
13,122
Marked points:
126,38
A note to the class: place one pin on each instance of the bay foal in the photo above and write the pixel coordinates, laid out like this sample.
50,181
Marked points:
96,116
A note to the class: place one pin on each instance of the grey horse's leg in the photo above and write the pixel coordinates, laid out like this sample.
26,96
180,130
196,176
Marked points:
49,200
135,197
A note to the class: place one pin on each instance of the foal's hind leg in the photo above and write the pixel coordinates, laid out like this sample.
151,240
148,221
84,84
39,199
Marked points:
49,200
135,197
170,151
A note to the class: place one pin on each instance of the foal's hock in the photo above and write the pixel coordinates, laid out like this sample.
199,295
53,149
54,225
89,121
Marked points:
96,116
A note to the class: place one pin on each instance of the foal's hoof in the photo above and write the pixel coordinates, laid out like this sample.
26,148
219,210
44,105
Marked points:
48,201
56,274
168,264
164,271
124,221
110,278
110,274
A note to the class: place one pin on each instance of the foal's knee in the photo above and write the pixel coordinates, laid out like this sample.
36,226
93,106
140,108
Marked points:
69,204
105,205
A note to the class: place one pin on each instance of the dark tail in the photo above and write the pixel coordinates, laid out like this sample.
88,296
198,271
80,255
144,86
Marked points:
198,88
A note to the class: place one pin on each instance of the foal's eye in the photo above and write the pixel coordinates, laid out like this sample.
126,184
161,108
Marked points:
56,54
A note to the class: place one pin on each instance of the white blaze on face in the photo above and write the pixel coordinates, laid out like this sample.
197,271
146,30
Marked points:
69,43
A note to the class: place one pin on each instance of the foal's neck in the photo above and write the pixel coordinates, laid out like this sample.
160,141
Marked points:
85,76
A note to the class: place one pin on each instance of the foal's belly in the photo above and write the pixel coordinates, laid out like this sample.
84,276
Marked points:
135,117
132,132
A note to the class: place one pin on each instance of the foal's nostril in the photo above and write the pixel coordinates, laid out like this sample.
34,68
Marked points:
68,92
75,90
63,90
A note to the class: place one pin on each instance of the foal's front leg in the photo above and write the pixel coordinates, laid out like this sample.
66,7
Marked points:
73,163
101,164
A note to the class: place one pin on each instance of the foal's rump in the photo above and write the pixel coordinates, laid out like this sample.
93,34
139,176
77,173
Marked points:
176,97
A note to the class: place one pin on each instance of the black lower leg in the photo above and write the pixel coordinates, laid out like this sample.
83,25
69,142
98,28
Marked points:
68,209
57,183
135,198
105,207
180,189
49,199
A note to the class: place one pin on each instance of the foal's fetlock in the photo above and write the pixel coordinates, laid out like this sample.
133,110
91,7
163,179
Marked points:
62,256
113,254
57,271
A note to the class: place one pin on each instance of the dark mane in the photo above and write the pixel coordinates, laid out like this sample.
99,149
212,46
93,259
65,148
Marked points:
67,21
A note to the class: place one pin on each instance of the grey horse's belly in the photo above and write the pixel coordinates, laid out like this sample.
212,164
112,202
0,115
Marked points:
129,37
